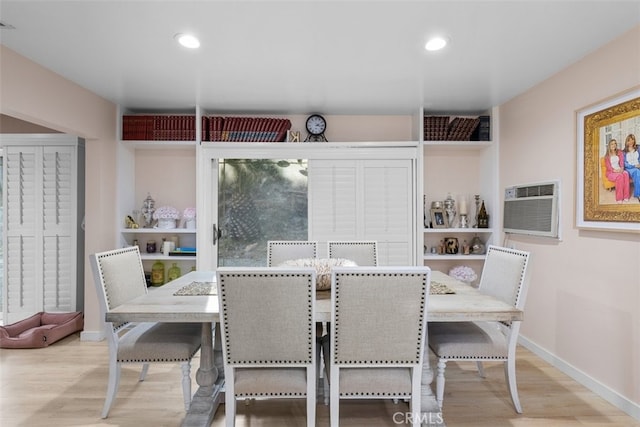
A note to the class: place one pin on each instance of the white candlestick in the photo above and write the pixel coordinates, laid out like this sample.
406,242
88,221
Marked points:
463,206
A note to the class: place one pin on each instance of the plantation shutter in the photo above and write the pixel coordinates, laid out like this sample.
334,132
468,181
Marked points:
364,200
388,211
41,218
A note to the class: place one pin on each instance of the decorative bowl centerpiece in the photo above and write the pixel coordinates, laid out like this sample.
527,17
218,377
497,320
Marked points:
464,274
166,217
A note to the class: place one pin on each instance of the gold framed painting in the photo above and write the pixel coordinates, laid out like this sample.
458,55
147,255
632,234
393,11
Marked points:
608,178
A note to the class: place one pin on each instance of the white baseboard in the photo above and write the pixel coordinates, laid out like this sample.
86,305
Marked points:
91,336
611,396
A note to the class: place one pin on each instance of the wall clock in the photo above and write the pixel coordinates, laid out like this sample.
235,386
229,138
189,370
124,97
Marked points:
316,126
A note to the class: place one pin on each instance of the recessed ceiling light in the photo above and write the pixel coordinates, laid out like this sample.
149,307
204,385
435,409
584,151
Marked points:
435,43
188,40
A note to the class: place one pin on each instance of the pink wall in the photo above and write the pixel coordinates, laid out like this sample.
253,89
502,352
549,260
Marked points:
34,94
583,307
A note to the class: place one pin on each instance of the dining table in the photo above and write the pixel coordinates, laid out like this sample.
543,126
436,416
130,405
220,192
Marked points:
192,298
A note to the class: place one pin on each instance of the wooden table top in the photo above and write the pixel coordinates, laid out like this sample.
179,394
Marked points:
161,305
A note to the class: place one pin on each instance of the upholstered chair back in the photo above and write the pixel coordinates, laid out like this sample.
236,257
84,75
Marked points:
121,276
363,253
379,315
279,251
268,335
267,315
504,274
378,335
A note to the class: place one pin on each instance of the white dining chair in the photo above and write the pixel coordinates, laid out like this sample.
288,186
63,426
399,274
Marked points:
267,321
378,334
504,276
279,251
119,277
363,253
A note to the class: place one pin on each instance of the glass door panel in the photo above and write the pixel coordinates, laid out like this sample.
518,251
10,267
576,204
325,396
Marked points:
259,200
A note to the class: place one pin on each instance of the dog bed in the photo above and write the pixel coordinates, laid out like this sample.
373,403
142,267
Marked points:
40,330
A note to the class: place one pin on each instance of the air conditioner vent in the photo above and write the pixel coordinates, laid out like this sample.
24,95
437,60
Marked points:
532,209
535,190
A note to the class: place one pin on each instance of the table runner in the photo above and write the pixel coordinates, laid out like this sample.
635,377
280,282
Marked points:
197,288
438,288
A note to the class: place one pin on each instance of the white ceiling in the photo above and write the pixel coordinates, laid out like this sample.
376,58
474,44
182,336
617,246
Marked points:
297,57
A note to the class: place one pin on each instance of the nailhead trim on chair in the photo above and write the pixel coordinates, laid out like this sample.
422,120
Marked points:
111,254
301,243
311,331
332,245
337,326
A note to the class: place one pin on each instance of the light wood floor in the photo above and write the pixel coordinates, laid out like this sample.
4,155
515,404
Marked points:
65,385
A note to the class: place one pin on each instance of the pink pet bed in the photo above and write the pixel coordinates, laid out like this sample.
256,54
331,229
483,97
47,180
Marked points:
40,330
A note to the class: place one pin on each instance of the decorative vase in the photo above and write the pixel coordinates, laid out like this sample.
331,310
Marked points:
451,245
148,208
166,224
477,247
174,272
157,273
450,210
151,247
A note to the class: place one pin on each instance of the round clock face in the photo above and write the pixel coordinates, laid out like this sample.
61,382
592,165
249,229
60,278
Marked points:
316,124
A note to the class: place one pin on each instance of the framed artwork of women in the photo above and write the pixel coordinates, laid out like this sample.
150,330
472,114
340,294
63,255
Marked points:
608,178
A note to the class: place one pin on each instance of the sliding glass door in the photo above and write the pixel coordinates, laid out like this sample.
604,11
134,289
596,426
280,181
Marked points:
258,200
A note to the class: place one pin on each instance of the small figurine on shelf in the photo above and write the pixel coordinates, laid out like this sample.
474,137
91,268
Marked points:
129,222
148,208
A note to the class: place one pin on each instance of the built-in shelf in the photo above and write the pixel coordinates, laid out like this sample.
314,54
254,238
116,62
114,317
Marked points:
160,145
436,257
161,257
458,230
463,145
158,231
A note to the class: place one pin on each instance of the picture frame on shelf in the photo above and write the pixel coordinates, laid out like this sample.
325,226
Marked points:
596,205
439,218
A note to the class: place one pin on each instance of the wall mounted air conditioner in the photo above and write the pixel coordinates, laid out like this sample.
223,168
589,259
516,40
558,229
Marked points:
532,209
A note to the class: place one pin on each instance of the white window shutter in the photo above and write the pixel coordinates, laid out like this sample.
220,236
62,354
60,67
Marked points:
364,200
21,232
41,213
388,214
333,199
59,218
